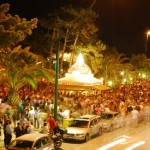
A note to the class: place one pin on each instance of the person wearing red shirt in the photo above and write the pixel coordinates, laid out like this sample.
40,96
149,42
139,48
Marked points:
51,123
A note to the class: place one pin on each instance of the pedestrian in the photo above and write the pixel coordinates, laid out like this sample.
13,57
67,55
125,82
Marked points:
135,116
24,128
9,131
51,123
18,130
23,119
4,128
57,127
40,121
44,129
30,127
31,114
36,116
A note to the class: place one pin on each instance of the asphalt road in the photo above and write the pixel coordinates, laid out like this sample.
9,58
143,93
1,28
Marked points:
125,136
129,136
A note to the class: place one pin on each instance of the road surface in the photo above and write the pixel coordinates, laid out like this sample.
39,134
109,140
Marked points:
126,136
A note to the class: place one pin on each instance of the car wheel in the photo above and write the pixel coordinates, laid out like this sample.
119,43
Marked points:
100,131
87,137
111,128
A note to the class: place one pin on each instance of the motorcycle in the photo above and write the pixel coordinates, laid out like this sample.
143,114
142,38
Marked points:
57,138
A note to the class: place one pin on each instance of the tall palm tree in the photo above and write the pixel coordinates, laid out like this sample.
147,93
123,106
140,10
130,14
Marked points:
19,68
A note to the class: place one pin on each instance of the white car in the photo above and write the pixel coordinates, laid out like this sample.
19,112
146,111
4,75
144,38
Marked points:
83,128
111,120
34,141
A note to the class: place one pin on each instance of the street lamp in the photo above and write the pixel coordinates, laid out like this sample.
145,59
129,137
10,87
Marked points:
146,41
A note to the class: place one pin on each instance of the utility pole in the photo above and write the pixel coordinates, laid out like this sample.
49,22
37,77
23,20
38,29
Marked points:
81,20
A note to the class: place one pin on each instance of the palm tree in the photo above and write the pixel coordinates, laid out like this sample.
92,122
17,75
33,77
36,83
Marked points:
19,68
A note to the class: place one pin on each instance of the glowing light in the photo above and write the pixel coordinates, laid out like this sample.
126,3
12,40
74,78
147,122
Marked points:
122,73
112,144
124,80
80,59
131,79
76,73
110,83
39,62
135,145
143,76
139,74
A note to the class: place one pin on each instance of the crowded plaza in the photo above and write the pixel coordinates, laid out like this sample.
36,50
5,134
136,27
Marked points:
37,106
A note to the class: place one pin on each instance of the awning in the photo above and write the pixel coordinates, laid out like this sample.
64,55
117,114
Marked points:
82,88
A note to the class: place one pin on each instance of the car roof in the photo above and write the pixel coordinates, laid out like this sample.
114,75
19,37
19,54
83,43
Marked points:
87,117
110,112
31,137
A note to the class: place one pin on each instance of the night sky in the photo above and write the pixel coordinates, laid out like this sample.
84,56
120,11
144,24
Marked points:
122,23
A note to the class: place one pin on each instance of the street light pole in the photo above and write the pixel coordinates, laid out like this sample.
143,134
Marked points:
56,78
57,58
146,41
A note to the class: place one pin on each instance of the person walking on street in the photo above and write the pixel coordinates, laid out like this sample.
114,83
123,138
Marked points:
4,128
51,123
9,131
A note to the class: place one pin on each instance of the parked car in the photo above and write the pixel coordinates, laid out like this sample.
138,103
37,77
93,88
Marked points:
83,128
35,141
111,120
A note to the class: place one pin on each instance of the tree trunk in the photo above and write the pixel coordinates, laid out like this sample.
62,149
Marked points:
51,48
63,51
72,53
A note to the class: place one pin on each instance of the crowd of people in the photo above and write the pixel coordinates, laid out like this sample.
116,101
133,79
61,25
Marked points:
125,99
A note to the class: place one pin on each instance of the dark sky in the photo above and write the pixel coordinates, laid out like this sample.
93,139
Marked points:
122,23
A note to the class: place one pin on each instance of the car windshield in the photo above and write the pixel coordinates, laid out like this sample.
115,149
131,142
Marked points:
106,116
79,123
20,144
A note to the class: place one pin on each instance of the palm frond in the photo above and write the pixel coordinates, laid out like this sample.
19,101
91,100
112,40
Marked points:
30,80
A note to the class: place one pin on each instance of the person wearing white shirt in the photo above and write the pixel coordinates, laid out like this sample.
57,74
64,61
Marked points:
134,115
8,131
31,114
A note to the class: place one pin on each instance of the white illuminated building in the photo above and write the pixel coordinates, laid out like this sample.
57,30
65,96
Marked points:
79,74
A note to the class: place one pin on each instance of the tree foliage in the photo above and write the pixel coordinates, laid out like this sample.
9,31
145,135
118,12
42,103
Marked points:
13,29
20,67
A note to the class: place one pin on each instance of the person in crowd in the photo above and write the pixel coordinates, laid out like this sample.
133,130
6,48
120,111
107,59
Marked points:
31,114
24,128
57,127
44,128
98,109
18,130
4,128
134,117
36,116
40,121
51,123
30,127
8,133
23,119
